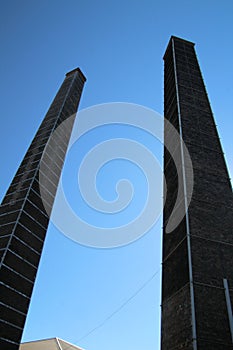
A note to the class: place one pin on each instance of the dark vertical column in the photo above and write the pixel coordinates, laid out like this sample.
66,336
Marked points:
198,254
23,219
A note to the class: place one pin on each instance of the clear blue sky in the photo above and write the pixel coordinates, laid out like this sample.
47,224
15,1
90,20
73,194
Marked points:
119,45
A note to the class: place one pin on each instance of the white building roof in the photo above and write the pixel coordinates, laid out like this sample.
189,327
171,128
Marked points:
48,344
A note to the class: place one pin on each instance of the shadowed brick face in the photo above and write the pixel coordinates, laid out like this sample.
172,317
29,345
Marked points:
23,219
198,254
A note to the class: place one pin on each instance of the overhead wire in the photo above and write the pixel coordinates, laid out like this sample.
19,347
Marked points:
101,324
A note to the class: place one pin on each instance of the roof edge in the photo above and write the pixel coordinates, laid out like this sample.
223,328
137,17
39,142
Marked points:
65,341
33,341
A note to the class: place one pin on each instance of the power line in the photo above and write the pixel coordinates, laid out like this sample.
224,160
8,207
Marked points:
118,309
